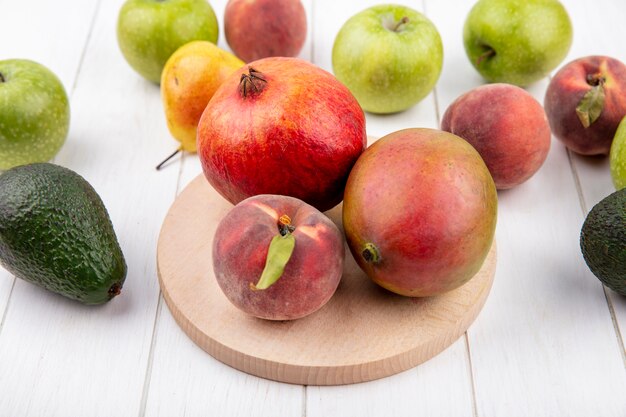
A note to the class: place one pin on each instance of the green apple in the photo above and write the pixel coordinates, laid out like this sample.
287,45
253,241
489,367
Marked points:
150,31
389,56
34,113
618,156
517,41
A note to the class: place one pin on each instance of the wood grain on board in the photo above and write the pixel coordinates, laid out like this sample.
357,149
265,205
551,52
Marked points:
363,333
543,345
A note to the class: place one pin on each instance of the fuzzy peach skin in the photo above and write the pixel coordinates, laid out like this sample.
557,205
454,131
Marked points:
568,87
258,29
507,127
311,275
419,212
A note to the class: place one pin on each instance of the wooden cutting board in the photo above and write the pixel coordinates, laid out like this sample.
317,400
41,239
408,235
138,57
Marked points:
363,333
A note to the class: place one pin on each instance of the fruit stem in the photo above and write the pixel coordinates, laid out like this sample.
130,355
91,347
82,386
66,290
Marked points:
402,21
284,225
116,289
487,54
253,82
158,167
596,79
278,254
591,105
2,79
370,253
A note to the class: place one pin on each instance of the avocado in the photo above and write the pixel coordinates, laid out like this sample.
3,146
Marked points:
55,232
603,241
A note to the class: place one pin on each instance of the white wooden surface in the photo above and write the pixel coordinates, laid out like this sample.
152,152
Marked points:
548,342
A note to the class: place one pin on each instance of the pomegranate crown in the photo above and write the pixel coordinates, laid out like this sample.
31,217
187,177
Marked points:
251,83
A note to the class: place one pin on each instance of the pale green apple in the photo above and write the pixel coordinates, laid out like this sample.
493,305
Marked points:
517,41
389,56
150,31
34,113
618,156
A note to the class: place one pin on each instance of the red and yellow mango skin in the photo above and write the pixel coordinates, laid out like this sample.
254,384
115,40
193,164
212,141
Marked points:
424,199
311,275
297,133
566,90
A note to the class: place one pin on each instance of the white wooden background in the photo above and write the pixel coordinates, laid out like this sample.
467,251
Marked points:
548,342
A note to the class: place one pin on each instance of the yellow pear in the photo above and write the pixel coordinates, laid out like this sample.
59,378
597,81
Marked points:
190,78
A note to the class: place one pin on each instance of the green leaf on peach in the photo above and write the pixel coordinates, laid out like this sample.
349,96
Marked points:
279,253
591,105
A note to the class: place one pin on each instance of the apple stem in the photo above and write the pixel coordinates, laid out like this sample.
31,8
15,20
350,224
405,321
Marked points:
2,79
487,54
402,21
370,253
158,167
253,82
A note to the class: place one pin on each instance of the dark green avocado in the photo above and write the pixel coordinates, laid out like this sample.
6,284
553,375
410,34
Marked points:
603,241
55,232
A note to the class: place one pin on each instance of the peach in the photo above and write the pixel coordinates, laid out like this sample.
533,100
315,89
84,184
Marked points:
585,102
258,29
507,127
241,250
419,212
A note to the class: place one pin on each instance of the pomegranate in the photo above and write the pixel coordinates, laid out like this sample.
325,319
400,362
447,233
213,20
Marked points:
281,126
